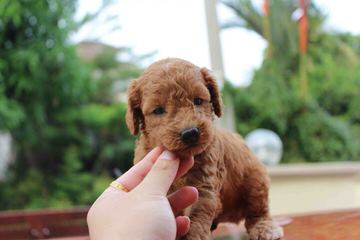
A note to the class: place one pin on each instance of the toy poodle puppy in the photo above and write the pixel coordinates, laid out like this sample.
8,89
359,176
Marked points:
173,105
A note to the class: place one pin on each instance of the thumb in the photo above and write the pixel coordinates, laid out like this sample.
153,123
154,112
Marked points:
161,175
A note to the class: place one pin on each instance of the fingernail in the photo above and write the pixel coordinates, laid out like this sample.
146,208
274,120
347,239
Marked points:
167,155
192,161
188,222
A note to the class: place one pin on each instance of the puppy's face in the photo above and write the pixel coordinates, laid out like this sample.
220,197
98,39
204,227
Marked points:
173,105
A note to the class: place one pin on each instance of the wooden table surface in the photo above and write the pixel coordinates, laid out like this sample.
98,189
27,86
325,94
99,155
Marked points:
336,225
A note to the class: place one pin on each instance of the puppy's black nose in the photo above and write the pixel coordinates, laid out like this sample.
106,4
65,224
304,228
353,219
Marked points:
190,136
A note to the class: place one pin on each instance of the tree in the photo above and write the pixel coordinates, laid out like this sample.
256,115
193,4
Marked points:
66,140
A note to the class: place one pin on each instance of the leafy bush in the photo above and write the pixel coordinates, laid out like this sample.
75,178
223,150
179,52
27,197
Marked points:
308,131
81,152
334,72
322,137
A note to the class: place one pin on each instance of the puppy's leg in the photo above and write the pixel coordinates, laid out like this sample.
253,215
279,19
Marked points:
257,221
202,214
204,178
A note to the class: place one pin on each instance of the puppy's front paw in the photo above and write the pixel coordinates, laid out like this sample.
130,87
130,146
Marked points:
266,230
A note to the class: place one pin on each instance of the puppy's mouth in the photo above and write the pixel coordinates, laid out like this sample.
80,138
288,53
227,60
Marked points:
184,154
193,150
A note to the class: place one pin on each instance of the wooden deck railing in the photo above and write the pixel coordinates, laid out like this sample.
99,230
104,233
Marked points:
70,224
42,224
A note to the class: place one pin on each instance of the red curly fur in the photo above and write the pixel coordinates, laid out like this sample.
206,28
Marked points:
232,184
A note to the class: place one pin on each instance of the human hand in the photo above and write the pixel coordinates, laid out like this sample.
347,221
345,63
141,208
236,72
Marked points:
145,212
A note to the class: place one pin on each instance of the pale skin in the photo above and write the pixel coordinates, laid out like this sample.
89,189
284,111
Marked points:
146,211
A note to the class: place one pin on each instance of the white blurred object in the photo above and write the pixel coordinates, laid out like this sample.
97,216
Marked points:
266,145
5,153
297,14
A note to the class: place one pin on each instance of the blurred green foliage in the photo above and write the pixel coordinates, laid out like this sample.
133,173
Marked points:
325,125
68,131
108,68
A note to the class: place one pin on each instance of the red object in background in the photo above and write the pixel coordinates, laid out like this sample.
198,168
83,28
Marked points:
303,27
266,7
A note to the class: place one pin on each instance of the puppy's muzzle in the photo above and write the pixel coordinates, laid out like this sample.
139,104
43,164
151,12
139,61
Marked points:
190,136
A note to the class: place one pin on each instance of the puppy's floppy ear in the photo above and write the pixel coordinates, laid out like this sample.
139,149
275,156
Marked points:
134,116
210,83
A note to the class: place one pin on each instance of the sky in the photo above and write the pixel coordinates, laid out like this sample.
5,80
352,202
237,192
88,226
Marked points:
177,28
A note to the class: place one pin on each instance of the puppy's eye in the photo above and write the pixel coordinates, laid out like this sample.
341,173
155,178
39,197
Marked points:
159,110
198,101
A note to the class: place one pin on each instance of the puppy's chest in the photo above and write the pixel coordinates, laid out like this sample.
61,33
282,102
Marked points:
204,174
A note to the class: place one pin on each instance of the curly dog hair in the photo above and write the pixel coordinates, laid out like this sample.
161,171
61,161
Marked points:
173,105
